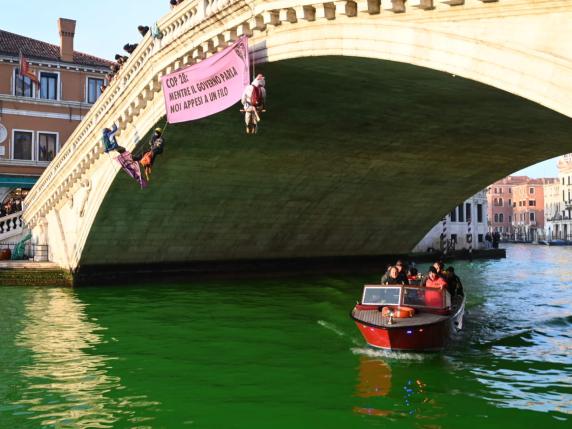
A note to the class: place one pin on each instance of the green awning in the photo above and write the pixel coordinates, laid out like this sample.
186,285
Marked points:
17,181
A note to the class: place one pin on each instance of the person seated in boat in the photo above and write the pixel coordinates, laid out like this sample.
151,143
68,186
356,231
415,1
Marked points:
434,280
401,270
454,285
413,276
394,277
437,286
440,267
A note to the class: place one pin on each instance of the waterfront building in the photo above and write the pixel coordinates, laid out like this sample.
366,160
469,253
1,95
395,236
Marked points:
528,209
552,207
559,220
500,205
36,120
467,219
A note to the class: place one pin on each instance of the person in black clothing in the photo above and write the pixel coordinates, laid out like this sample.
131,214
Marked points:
143,29
121,59
129,48
496,239
454,285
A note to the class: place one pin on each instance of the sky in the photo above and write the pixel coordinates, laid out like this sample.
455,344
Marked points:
546,168
104,26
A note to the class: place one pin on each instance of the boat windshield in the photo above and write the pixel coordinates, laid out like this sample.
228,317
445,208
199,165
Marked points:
381,295
426,297
411,296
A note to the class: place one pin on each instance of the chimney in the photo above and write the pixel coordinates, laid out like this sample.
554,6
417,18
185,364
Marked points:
67,31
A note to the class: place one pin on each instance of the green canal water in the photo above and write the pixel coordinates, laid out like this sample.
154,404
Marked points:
284,354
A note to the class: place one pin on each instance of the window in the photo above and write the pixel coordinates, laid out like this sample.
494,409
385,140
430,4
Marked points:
47,146
93,89
500,202
461,213
23,85
531,191
531,216
501,218
510,190
49,86
480,238
22,145
453,215
500,190
468,211
509,218
509,202
479,213
496,217
531,202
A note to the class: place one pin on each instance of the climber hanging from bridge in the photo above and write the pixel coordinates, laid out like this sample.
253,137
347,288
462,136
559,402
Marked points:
109,142
254,100
156,146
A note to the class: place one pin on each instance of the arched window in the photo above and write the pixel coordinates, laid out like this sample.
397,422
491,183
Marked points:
496,217
501,218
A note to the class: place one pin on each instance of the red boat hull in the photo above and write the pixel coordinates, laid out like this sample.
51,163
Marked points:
418,338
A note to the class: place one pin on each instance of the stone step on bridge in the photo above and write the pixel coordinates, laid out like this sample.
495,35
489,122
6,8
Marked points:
516,46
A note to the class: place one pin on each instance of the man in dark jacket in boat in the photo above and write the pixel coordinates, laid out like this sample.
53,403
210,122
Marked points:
454,285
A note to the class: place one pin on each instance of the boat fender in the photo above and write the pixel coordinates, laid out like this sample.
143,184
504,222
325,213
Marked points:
398,312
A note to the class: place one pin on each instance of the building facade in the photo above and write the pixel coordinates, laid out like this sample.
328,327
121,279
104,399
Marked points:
500,205
465,226
559,219
528,209
552,204
36,120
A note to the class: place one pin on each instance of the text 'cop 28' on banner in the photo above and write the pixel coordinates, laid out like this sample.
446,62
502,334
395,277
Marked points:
207,87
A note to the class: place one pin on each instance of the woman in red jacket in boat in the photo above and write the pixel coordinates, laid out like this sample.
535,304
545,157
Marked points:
435,281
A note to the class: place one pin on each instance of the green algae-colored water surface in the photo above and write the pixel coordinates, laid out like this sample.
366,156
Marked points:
283,353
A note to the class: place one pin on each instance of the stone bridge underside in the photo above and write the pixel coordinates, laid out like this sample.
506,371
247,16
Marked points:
354,157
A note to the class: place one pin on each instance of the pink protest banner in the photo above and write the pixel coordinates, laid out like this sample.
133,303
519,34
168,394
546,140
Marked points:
207,87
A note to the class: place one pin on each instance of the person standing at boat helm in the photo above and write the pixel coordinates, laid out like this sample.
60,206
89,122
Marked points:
454,284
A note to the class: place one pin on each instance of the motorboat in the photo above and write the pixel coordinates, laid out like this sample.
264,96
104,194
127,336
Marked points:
408,317
556,242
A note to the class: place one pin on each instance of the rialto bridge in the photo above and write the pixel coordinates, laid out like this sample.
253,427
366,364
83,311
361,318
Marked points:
382,116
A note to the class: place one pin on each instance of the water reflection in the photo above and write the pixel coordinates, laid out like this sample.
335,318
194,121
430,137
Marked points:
405,398
66,381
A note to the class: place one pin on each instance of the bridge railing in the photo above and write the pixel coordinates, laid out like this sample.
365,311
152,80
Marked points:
11,225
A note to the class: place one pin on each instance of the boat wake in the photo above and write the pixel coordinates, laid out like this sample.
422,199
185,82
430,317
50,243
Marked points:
332,328
390,354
